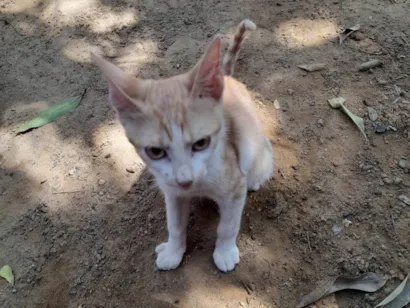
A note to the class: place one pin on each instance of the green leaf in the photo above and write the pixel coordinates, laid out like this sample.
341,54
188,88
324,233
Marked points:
338,103
49,115
400,297
7,274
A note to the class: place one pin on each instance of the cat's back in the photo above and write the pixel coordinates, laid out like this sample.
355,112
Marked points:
240,108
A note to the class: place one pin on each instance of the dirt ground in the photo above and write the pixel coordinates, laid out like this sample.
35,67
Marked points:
79,214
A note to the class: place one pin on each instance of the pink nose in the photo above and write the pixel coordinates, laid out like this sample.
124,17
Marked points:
185,185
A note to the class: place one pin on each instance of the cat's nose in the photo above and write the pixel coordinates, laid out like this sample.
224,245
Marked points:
185,184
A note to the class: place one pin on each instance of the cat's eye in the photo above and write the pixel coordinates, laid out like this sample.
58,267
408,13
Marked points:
155,153
201,144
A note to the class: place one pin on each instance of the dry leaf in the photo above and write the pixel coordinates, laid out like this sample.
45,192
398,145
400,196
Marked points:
346,32
368,282
314,67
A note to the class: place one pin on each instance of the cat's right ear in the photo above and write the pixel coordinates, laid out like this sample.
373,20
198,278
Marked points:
124,90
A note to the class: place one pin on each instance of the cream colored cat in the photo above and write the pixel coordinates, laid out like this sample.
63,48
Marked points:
199,134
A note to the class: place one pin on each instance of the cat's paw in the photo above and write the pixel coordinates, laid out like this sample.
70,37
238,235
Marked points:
254,187
226,257
169,256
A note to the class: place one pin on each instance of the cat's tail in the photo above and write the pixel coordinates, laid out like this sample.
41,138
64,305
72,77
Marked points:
229,60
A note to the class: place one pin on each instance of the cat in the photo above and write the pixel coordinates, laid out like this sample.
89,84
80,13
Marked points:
200,136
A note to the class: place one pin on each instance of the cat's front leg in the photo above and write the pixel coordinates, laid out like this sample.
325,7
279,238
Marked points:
226,253
170,253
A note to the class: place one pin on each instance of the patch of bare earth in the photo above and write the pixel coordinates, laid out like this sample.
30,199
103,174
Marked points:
79,230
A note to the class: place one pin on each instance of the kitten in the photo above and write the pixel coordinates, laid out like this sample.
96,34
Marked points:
200,136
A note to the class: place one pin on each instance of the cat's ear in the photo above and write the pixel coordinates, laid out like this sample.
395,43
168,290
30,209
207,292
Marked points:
124,90
208,77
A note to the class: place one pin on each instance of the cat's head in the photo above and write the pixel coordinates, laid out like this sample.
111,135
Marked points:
176,124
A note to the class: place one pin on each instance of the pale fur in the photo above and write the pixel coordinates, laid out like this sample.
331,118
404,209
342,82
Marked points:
173,114
229,60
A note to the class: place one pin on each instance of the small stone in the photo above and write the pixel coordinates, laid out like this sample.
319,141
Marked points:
381,81
383,175
388,181
401,276
380,129
71,172
402,163
320,122
290,91
397,180
252,287
101,193
392,128
276,104
367,167
130,170
101,182
178,65
372,113
14,290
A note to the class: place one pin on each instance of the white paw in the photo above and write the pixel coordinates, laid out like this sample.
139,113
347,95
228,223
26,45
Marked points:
226,257
169,256
254,187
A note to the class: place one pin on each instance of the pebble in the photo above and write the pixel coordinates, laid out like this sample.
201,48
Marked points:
71,172
387,181
380,129
101,182
101,193
14,290
397,180
130,170
276,104
320,122
402,163
373,116
290,91
367,167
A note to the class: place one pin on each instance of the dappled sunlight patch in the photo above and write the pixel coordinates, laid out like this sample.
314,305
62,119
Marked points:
78,50
208,291
112,137
19,6
136,55
26,28
99,18
301,33
63,13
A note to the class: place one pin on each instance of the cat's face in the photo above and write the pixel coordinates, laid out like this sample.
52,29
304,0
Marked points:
177,138
175,124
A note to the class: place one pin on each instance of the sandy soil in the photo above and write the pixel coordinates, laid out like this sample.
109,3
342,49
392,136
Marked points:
79,230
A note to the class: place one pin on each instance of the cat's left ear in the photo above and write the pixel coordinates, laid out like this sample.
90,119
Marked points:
208,77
